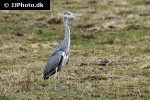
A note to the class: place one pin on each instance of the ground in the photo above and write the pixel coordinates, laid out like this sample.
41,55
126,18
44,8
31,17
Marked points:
109,54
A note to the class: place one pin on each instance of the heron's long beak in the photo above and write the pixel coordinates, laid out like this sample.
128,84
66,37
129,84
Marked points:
75,15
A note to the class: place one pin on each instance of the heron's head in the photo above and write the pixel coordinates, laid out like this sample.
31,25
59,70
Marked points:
70,14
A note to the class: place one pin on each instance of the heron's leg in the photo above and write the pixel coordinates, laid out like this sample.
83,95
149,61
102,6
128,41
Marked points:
55,76
59,77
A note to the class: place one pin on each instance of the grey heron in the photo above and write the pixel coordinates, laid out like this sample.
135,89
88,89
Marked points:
60,55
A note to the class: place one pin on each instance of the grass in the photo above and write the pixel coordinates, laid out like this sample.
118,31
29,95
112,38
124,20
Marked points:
109,59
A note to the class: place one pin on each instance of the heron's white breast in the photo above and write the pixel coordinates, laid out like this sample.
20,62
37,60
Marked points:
65,59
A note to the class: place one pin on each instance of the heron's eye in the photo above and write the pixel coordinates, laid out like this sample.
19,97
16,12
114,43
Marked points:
65,13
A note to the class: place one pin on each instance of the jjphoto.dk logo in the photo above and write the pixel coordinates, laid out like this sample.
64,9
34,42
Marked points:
25,5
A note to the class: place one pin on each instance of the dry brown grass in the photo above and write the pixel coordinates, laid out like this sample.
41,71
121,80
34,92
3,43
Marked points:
110,51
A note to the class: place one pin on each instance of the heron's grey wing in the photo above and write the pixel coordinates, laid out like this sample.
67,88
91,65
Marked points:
54,61
58,48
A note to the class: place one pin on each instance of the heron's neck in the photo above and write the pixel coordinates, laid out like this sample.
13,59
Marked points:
67,32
